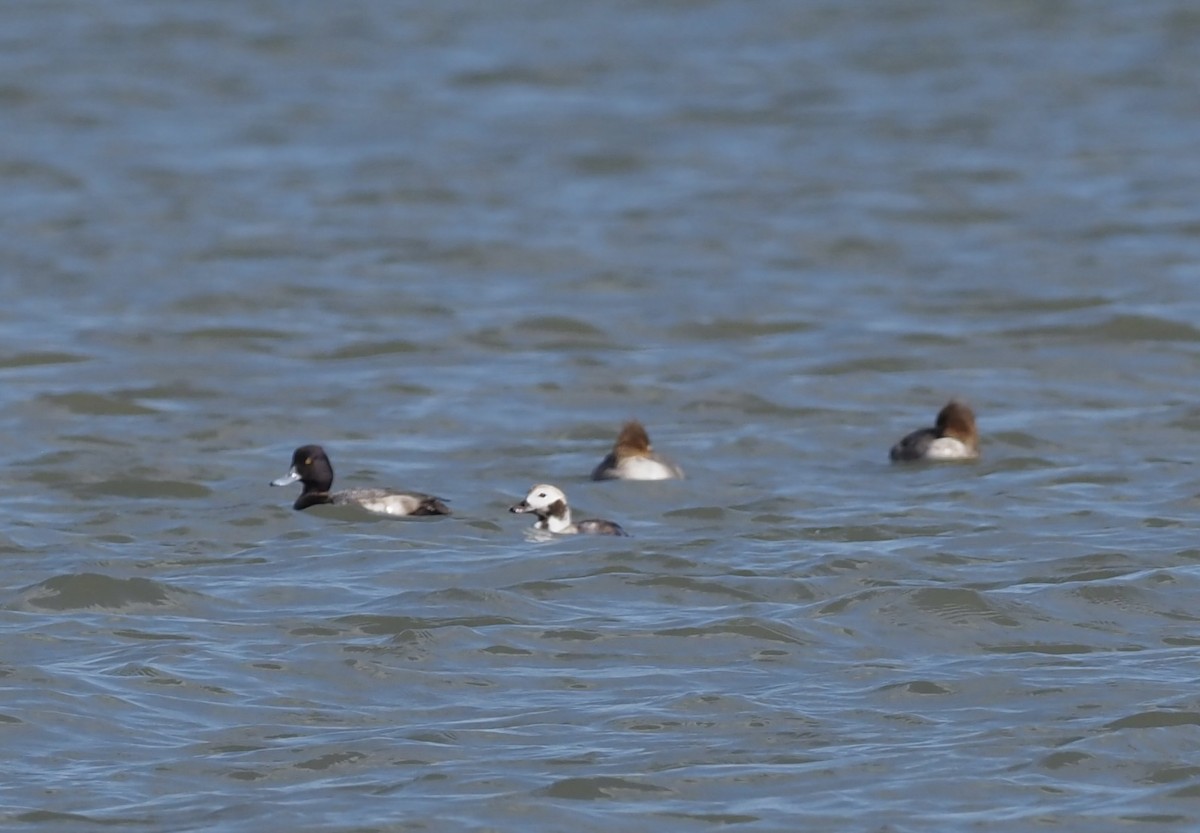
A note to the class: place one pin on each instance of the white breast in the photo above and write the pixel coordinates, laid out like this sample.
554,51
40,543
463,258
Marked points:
556,524
948,448
645,468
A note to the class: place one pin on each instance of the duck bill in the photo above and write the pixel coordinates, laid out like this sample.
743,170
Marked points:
520,507
291,477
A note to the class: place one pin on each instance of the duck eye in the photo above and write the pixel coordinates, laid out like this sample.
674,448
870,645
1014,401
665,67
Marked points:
308,461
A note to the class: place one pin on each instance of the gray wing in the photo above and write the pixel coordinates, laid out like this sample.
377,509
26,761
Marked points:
388,502
914,445
607,470
595,526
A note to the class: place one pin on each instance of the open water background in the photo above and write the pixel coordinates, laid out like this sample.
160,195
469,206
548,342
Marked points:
458,243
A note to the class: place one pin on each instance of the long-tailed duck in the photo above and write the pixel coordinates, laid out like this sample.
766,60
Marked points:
554,515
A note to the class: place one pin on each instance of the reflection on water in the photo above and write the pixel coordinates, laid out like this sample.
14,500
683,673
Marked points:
459,245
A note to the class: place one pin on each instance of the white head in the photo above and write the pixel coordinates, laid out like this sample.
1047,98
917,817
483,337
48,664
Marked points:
549,504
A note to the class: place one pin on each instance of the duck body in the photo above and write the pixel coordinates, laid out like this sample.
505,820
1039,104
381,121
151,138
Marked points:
311,466
633,458
953,437
549,503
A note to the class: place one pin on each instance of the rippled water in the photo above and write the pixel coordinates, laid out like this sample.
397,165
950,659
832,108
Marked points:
458,244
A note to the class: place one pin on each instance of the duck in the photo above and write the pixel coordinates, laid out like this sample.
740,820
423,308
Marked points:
953,437
632,458
311,466
549,503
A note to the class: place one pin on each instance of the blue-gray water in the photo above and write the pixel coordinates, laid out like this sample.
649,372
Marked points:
458,243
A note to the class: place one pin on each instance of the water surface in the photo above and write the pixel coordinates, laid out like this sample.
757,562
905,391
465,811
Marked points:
458,244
